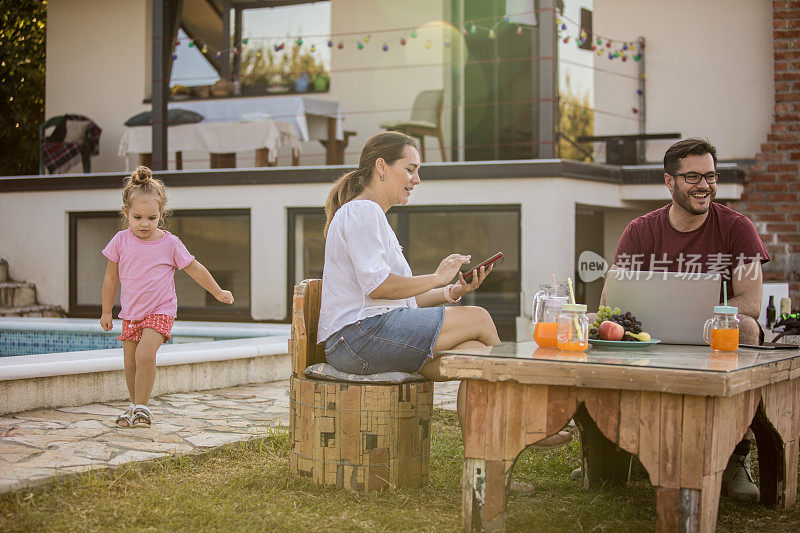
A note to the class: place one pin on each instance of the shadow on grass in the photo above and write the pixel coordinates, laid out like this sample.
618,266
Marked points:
246,486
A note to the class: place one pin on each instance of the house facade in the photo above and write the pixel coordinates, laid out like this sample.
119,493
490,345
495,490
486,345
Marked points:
731,79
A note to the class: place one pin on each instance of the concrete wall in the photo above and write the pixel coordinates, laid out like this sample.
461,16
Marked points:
35,241
709,71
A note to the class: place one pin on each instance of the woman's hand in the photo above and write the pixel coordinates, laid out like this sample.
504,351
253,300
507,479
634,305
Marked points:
461,288
450,266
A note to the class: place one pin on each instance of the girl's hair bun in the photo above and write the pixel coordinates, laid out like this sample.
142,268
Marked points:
141,176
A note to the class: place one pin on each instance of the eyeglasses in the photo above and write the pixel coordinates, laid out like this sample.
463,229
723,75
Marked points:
694,177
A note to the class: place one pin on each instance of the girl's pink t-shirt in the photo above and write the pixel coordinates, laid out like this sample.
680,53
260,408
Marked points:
146,273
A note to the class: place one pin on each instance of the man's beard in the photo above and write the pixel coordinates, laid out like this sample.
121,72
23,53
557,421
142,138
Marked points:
683,200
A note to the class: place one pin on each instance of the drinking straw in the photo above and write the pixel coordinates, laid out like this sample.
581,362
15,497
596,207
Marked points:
577,323
725,300
555,286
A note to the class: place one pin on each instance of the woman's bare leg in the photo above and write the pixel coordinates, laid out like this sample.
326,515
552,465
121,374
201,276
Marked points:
468,323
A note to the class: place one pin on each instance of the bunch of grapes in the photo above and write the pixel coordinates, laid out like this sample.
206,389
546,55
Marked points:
627,320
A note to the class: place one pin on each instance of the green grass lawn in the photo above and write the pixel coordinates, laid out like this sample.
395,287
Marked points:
247,487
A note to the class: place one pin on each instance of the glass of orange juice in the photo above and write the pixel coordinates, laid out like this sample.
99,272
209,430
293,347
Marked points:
573,328
721,331
546,308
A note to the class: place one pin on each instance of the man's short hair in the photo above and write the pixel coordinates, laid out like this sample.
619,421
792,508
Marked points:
691,146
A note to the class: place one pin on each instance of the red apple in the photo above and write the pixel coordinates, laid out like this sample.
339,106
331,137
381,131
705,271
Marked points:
611,331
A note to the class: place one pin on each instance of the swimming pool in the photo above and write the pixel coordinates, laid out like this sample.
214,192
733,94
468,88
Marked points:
31,336
203,355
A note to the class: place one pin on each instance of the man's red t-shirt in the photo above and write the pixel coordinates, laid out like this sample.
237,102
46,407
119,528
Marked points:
726,240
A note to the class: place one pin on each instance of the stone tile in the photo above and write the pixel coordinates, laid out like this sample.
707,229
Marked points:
61,435
165,447
120,435
54,459
233,395
88,449
15,448
211,440
94,409
104,425
168,437
134,455
16,432
54,415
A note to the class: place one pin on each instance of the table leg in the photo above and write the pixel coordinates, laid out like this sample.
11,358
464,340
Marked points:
226,160
485,485
683,441
776,427
500,420
262,157
602,460
330,147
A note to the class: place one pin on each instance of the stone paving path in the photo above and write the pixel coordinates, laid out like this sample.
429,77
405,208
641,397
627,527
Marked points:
37,446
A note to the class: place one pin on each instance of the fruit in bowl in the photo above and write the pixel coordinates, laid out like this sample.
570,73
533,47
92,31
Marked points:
630,326
611,331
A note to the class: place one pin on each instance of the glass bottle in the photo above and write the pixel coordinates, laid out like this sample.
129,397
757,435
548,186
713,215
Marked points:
771,311
573,328
722,330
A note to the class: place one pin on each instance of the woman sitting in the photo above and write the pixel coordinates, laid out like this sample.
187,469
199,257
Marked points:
375,315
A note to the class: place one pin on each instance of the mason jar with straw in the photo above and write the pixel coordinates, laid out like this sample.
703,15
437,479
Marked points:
573,325
721,331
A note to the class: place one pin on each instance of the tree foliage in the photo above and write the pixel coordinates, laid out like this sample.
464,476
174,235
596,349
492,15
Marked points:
576,118
22,77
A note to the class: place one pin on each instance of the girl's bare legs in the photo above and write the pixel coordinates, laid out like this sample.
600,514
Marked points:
146,364
129,357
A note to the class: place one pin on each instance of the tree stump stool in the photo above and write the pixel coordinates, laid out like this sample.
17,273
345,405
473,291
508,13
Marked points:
360,436
353,435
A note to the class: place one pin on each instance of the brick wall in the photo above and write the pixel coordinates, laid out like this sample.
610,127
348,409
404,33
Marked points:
772,191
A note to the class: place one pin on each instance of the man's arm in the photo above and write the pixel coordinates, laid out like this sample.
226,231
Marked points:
747,283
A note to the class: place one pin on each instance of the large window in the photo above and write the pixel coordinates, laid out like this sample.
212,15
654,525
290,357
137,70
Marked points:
428,234
220,239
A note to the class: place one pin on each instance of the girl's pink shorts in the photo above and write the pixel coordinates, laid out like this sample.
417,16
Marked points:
132,331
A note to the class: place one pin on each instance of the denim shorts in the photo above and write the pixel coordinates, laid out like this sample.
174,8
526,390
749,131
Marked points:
400,340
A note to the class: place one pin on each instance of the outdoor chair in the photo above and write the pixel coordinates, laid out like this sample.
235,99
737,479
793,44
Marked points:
73,138
426,118
353,432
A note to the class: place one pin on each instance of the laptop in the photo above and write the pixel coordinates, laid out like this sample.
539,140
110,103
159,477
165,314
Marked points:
672,306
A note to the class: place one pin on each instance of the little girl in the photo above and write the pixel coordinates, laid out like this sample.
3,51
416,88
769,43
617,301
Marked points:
143,258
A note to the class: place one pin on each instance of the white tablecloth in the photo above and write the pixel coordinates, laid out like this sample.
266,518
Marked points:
215,137
308,115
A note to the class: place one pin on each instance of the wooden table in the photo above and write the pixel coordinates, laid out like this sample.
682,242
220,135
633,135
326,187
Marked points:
680,409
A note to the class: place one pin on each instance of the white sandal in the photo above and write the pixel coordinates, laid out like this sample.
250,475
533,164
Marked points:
142,417
125,420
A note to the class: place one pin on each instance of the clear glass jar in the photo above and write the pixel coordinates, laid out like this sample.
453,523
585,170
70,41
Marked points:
722,331
546,308
573,328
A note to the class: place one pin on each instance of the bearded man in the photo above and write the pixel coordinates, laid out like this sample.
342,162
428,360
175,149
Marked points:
694,234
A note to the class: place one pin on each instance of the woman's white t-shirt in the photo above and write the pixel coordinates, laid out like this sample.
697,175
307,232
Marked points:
361,250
